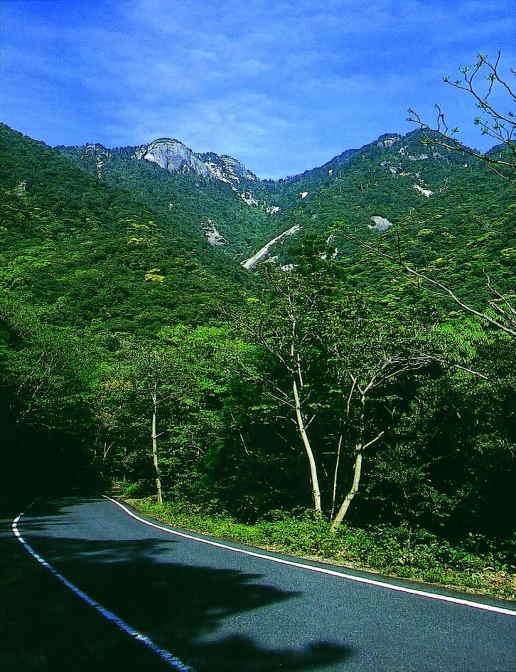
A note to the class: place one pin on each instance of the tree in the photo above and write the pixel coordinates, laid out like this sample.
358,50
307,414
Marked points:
143,381
51,367
47,385
330,359
495,123
172,389
370,353
285,327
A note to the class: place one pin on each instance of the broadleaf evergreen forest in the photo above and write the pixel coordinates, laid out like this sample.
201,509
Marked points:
347,394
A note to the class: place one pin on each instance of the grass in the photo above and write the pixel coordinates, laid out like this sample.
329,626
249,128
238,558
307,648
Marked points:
393,551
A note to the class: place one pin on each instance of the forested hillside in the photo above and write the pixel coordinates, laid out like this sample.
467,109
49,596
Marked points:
395,180
424,190
87,252
81,262
371,384
204,206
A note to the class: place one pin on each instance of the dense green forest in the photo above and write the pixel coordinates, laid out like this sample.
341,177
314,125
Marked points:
370,385
186,201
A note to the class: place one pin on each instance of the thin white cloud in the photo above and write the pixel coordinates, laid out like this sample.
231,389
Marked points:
280,85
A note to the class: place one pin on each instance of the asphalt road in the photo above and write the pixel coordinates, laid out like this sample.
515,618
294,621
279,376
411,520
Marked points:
217,610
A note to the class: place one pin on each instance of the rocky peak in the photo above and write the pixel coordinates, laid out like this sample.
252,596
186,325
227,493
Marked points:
95,147
388,139
174,156
237,168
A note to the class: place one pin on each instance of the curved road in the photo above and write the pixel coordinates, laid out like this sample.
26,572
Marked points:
220,609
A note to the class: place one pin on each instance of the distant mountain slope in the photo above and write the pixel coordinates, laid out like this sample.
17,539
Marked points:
90,254
206,196
396,180
393,180
437,202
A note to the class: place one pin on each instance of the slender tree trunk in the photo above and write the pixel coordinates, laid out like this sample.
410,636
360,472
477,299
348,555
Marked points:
155,446
335,476
357,468
105,450
357,472
297,375
314,479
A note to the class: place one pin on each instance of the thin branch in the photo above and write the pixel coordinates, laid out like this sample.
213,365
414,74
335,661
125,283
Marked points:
307,424
348,402
370,443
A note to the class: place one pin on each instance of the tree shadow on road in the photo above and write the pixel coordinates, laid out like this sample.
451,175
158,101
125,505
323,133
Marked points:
198,613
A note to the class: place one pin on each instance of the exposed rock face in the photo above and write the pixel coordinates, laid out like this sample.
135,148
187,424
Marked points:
247,197
96,148
174,156
387,140
213,237
263,253
21,188
379,223
100,154
226,168
425,192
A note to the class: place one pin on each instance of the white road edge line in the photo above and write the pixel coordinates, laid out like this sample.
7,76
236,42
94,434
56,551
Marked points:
165,655
320,570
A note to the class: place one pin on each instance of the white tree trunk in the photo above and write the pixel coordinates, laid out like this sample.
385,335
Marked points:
357,472
335,476
314,479
155,448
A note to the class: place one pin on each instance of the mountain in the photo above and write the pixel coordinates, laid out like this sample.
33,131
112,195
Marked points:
397,183
217,198
89,254
396,186
211,212
206,196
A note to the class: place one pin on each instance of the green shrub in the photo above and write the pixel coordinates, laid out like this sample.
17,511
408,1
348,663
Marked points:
404,552
139,489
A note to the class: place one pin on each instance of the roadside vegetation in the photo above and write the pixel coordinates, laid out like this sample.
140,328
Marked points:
394,551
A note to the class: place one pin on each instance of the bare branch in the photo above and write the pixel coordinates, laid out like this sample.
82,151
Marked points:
370,443
499,125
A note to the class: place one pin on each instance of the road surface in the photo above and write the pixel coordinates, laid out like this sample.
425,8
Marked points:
218,609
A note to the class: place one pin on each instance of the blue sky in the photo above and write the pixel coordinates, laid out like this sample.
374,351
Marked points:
281,85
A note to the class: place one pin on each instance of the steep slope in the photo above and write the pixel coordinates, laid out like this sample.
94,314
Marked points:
91,255
206,196
397,180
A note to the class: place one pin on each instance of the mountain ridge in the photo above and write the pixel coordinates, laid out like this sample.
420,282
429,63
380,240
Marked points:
216,198
244,172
